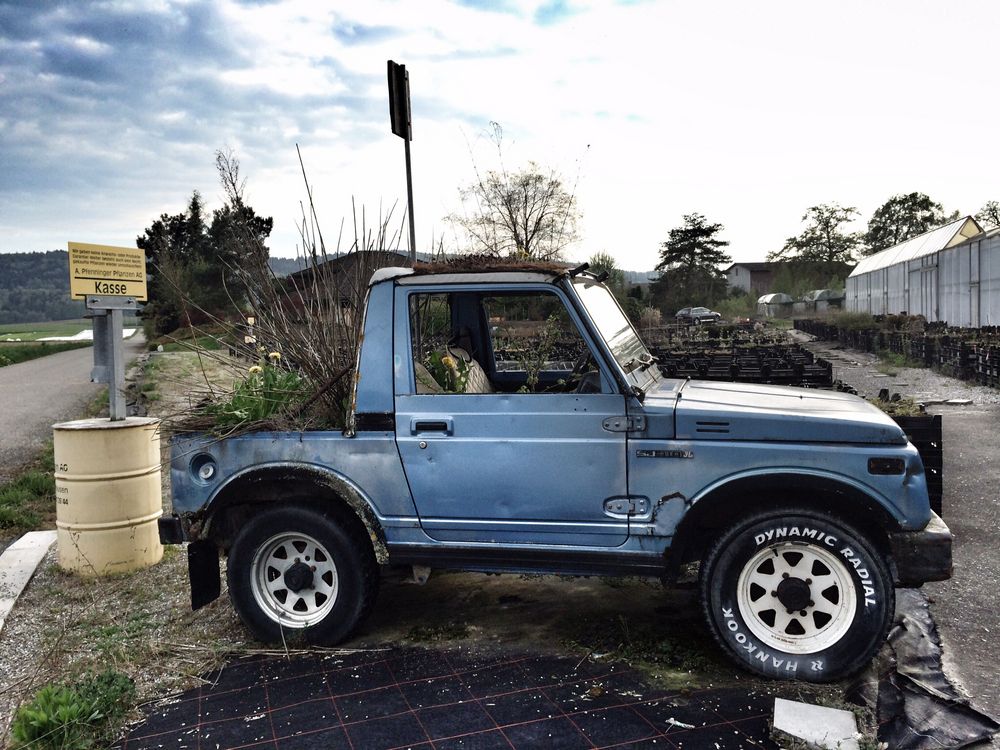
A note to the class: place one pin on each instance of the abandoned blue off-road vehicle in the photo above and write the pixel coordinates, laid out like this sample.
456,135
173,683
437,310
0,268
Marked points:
514,421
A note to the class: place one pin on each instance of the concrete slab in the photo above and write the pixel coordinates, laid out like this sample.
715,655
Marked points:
17,566
818,725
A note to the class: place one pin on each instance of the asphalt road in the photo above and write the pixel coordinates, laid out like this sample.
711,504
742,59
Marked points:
965,607
36,394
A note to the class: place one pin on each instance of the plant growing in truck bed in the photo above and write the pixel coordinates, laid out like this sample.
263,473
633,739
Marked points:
265,392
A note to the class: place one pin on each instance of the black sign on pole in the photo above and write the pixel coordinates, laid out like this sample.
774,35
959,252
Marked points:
399,101
399,119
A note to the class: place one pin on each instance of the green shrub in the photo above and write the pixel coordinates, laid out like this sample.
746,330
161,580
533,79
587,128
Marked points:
79,716
853,321
267,391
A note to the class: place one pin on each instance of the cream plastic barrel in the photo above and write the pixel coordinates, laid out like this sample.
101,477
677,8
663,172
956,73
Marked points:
107,494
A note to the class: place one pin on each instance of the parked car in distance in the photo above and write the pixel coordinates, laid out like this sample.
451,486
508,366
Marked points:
697,316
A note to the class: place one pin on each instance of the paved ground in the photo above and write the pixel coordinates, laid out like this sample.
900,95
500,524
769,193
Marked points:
965,607
38,393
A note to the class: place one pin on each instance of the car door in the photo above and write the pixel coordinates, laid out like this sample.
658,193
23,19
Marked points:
526,459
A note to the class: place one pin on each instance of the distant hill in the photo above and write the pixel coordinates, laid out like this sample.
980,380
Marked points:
640,277
34,287
286,266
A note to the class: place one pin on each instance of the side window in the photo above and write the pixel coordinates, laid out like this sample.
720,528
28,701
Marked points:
522,342
430,330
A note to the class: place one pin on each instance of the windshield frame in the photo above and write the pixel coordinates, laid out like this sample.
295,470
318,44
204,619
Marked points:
607,320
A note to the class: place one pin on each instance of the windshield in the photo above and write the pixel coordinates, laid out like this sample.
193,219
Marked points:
616,330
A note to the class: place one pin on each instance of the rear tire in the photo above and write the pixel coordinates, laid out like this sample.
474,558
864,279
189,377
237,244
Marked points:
300,574
797,594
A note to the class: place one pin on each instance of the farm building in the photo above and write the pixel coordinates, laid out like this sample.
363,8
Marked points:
750,277
949,274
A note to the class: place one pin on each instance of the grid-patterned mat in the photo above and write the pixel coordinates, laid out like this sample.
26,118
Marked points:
443,699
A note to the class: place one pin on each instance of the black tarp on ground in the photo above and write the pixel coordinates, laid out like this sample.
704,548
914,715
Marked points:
917,707
402,698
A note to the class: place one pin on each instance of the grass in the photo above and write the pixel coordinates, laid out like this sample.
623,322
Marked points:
24,332
29,500
675,655
11,354
210,343
890,363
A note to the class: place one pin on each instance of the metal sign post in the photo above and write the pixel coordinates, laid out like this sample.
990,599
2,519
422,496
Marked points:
111,280
109,355
402,125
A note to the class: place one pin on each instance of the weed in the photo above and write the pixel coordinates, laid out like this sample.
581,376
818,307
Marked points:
854,321
76,716
266,391
29,497
894,361
97,404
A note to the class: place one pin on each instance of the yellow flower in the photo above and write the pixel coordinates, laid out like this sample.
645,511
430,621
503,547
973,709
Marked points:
274,356
255,369
449,362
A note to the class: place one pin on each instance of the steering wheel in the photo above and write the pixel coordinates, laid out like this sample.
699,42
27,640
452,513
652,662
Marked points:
580,366
588,380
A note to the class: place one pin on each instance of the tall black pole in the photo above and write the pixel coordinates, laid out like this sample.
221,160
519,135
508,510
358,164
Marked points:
409,202
400,120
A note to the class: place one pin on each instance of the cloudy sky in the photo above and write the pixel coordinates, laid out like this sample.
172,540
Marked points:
748,112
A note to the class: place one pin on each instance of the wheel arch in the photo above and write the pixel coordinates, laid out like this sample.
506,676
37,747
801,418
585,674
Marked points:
719,506
267,485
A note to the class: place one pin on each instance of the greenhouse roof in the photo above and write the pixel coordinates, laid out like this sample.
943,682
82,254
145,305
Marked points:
775,298
953,233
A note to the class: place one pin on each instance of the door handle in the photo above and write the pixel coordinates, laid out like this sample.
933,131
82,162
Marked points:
442,425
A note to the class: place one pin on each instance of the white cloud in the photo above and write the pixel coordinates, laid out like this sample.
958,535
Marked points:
746,112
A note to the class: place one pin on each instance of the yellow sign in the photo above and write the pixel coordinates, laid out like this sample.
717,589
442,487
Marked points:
106,271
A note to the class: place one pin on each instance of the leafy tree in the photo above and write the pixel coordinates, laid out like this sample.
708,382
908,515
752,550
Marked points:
823,241
797,277
900,218
193,265
527,214
605,263
631,301
989,214
690,264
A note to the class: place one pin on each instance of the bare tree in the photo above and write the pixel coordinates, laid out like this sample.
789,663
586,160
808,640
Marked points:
525,214
989,214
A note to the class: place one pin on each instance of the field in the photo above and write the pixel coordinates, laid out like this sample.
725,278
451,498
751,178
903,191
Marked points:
35,331
62,328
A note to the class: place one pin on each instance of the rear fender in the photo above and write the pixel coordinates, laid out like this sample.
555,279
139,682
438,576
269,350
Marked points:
290,481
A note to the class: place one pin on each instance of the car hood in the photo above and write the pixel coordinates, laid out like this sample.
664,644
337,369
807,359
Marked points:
706,410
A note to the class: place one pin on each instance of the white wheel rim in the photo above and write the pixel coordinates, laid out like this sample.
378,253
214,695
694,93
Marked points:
809,576
278,563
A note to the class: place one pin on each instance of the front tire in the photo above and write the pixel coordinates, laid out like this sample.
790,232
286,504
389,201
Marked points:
299,574
797,594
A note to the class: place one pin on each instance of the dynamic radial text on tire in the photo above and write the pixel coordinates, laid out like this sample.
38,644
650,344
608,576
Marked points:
794,593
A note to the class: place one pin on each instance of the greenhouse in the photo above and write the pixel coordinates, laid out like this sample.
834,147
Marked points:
950,274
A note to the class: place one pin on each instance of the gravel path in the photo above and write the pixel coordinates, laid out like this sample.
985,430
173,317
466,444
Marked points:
963,607
861,371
